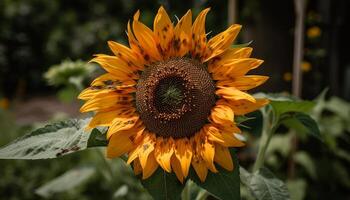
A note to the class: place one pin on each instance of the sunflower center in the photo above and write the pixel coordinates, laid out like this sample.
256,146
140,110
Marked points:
174,97
169,92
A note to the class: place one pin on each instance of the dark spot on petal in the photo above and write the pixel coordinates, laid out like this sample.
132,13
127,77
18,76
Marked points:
96,87
146,57
108,82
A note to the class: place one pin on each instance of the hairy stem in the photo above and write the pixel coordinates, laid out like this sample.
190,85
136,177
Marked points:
266,135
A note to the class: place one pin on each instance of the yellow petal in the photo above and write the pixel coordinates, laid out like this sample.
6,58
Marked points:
176,165
207,153
137,167
222,114
122,123
244,82
134,44
108,79
164,30
147,40
234,68
106,118
118,145
163,151
198,27
107,86
230,140
231,93
200,167
132,58
116,66
93,91
183,152
242,107
223,157
199,38
150,167
107,101
134,154
104,77
229,54
230,128
147,147
140,133
213,134
219,44
222,136
183,35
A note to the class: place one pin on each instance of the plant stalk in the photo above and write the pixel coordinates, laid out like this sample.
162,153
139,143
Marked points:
266,135
300,7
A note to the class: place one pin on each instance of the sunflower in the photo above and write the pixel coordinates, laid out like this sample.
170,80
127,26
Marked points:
169,99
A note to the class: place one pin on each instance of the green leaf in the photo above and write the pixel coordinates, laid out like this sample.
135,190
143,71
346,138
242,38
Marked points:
242,118
294,124
297,188
241,45
264,185
280,143
282,107
97,138
320,103
67,181
302,158
339,107
193,191
121,192
309,124
52,141
162,185
252,122
224,185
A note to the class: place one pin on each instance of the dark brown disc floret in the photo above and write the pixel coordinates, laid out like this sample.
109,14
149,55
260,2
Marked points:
174,97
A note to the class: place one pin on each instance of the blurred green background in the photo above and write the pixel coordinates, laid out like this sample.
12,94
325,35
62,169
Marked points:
44,46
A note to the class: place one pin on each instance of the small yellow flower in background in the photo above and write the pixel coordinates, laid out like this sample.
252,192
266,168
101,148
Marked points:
287,76
313,32
169,99
4,103
306,66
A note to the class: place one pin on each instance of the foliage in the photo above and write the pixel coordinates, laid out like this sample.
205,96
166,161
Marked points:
264,185
67,181
20,178
314,160
69,72
61,138
71,77
278,119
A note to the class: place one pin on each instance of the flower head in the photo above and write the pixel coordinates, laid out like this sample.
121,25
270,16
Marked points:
169,99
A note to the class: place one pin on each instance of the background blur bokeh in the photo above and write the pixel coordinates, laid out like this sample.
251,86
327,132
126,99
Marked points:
44,46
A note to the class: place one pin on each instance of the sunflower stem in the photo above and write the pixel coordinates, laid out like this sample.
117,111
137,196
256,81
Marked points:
186,191
269,128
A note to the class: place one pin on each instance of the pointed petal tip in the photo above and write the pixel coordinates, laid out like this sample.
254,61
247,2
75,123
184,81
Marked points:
259,61
137,15
207,9
161,9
